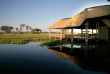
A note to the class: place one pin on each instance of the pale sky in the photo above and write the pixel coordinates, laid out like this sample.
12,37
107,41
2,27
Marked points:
42,13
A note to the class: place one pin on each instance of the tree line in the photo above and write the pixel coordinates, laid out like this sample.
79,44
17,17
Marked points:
23,29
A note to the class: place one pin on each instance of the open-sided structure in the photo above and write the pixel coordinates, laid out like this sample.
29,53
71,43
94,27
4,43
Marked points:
91,18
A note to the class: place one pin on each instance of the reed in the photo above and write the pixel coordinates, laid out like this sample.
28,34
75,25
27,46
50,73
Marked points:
53,43
23,38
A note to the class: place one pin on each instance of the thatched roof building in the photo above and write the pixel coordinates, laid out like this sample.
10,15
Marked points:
100,12
91,18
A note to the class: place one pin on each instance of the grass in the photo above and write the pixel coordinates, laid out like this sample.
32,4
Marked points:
53,43
23,38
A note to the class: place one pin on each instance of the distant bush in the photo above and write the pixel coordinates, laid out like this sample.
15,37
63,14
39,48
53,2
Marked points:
0,32
18,32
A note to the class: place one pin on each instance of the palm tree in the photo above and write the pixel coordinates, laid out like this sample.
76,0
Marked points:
11,28
27,27
23,25
30,28
16,29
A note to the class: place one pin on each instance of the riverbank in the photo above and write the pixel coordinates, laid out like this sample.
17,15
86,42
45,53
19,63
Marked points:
23,38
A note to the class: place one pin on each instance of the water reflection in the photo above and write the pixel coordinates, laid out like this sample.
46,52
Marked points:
89,57
32,59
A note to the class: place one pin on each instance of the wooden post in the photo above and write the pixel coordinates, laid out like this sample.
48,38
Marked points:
96,27
97,30
72,35
86,27
61,31
86,51
49,33
92,31
71,47
81,31
107,36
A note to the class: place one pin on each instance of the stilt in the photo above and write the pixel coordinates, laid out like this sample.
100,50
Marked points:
86,51
71,47
78,41
86,27
49,33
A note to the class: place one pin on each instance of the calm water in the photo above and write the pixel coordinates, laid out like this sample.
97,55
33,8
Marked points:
32,59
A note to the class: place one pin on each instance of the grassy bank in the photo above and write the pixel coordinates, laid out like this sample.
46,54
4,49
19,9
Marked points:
23,38
53,43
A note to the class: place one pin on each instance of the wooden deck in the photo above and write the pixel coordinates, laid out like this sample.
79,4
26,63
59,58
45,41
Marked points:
79,36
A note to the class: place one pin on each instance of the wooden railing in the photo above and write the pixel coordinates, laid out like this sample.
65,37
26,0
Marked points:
74,36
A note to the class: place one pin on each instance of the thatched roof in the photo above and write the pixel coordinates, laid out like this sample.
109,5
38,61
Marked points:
78,19
61,23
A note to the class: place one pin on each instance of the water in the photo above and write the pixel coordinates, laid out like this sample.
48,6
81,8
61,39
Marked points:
32,59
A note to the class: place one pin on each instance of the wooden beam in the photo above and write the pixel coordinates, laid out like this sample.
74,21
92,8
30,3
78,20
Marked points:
96,27
61,31
72,35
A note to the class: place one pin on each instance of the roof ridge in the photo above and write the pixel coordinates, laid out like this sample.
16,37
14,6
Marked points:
98,6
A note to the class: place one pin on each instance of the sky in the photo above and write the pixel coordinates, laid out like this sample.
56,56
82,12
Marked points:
42,13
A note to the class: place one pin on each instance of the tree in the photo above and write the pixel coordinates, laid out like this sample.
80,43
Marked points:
16,29
11,28
38,30
33,31
7,29
23,25
30,28
27,27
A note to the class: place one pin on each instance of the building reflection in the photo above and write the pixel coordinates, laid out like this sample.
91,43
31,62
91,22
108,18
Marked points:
88,57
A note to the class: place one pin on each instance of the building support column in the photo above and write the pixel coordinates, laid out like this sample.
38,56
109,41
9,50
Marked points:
97,28
92,31
86,35
61,32
49,33
81,31
72,35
